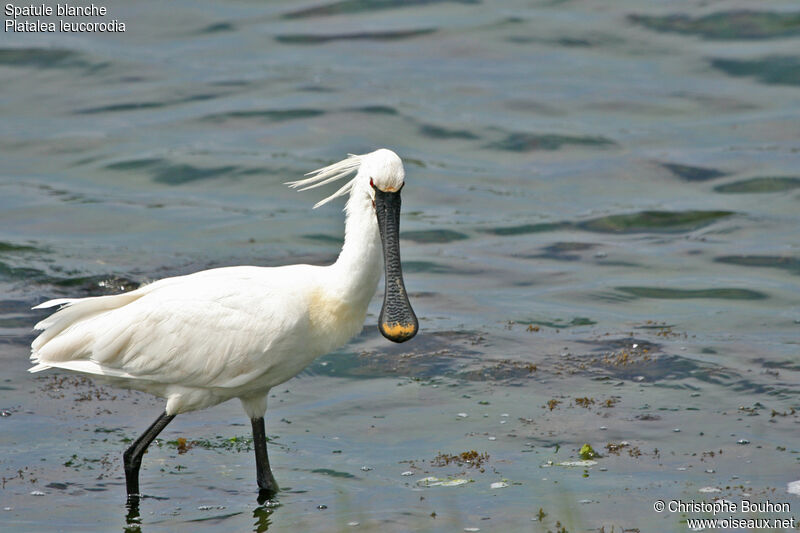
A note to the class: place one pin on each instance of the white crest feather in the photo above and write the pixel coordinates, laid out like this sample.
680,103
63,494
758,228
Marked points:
325,175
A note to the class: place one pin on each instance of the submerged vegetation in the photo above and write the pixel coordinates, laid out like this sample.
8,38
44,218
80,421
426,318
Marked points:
238,444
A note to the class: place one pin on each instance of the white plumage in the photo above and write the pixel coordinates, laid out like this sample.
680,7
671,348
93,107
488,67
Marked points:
201,339
233,332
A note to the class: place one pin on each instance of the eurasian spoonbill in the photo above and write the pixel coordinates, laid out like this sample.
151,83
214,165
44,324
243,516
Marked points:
236,332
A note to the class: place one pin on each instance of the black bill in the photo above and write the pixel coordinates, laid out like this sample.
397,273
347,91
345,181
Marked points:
397,321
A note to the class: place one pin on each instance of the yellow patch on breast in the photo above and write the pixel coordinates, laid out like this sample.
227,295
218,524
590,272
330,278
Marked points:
332,319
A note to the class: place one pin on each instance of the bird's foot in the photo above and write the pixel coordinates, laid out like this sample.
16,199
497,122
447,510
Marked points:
133,517
265,496
267,490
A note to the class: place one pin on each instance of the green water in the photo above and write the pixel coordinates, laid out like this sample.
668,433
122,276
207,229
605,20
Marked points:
600,238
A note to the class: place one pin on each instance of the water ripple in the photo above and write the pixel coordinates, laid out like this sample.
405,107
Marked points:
772,70
760,185
389,35
726,25
529,142
362,6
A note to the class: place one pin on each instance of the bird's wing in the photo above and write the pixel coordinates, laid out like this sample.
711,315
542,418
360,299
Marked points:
217,328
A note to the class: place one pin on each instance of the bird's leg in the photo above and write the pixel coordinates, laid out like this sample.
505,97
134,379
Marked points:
133,455
266,481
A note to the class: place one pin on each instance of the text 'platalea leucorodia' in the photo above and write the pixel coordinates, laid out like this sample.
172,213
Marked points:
236,332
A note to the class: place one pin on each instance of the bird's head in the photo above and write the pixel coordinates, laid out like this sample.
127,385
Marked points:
381,175
383,171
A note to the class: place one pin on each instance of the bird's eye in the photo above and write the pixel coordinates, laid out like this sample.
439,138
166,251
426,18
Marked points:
371,184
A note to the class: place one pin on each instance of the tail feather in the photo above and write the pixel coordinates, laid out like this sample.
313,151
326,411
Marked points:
52,303
85,366
61,338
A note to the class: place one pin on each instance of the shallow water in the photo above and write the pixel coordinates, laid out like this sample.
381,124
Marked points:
600,240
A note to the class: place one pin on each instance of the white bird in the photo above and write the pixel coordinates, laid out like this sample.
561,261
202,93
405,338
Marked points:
236,332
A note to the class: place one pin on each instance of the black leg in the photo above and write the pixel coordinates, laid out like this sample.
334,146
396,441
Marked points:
266,482
133,455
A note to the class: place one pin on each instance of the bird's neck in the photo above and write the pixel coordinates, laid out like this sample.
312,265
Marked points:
356,273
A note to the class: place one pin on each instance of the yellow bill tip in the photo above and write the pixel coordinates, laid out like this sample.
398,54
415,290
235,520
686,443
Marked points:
398,332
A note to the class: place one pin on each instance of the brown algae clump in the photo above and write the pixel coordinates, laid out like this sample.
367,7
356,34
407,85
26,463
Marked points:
616,448
469,458
183,445
584,402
